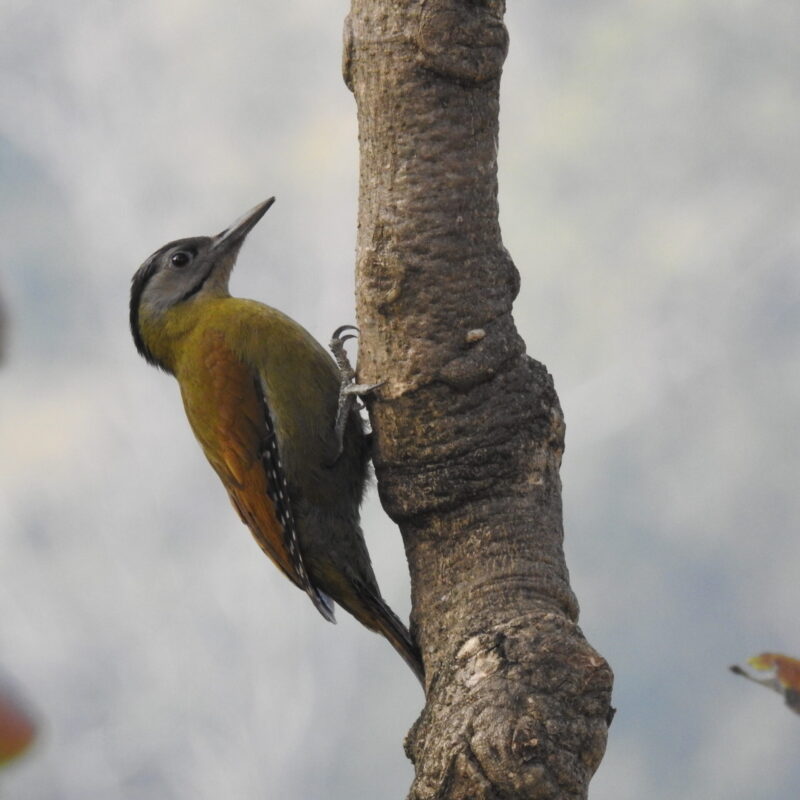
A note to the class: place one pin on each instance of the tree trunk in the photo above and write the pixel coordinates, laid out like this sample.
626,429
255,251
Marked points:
468,429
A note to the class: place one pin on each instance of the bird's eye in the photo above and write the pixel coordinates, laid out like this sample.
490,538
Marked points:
180,259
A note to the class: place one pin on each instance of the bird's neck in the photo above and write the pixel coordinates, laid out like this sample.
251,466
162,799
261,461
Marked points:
166,333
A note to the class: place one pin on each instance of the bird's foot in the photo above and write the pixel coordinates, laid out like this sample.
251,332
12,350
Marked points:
349,390
346,371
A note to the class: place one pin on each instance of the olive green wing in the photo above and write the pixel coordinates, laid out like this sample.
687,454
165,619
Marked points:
230,417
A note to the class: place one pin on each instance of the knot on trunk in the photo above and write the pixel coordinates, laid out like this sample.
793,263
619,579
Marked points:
525,705
465,40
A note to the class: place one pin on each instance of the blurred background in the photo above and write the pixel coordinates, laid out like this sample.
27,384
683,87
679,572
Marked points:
649,174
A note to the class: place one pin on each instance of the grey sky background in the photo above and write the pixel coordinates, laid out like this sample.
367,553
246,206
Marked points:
649,174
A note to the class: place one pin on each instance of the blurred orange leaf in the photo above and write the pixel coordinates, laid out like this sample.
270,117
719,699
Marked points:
17,729
783,676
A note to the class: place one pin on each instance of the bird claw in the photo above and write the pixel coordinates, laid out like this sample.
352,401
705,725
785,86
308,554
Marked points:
346,372
337,334
349,390
360,389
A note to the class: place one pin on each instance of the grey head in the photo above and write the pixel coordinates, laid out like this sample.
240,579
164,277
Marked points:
186,268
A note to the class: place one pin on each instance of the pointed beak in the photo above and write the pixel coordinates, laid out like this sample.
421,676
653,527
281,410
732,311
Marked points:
230,240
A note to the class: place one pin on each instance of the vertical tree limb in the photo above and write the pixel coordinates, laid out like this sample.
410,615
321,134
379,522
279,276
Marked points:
468,429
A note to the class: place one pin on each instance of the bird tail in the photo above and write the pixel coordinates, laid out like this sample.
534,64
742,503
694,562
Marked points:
386,622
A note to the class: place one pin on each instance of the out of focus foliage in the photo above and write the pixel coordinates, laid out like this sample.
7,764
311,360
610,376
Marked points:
17,729
783,676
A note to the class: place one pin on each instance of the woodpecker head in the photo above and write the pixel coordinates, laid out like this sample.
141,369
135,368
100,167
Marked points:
184,270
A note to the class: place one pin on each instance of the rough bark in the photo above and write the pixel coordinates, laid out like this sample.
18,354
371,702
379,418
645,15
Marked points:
468,429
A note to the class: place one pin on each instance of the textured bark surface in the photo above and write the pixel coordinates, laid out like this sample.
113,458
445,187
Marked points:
468,429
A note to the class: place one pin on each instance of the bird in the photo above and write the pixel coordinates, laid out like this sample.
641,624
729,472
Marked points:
262,396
